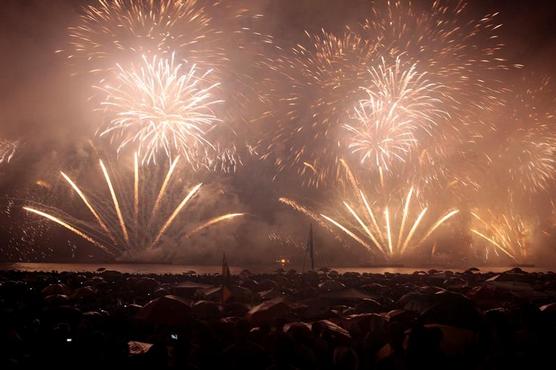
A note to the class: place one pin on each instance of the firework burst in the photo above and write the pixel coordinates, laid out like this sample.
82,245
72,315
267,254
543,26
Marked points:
401,106
460,51
217,42
164,108
450,60
136,217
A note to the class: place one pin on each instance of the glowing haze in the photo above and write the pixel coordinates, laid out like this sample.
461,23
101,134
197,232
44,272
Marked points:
403,130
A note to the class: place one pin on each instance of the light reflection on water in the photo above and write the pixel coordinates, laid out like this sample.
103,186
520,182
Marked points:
211,269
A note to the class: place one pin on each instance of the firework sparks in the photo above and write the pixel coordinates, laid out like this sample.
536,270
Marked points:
402,229
324,77
523,151
401,104
113,31
163,110
450,67
534,151
124,228
505,233
7,150
219,37
459,51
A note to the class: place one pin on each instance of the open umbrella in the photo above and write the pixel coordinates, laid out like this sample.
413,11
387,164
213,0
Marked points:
168,310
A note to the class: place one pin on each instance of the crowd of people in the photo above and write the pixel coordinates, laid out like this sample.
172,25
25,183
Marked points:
285,320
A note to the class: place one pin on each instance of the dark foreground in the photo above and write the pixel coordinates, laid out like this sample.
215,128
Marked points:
433,320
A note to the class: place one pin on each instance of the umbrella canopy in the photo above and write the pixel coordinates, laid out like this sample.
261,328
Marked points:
268,311
168,310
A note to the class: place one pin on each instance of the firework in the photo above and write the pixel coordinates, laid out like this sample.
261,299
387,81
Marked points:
400,107
324,78
390,231
128,223
7,150
450,67
163,108
116,31
522,153
220,37
504,233
532,153
459,50
305,211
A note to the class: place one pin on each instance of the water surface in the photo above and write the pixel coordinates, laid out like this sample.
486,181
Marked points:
134,268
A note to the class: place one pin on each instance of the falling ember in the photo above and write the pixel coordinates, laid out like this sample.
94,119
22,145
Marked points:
163,110
121,228
504,233
389,237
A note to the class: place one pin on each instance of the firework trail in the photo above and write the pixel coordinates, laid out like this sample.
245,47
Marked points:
131,221
305,211
164,108
7,150
390,231
504,233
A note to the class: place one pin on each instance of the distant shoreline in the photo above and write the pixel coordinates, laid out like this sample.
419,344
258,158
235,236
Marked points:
143,268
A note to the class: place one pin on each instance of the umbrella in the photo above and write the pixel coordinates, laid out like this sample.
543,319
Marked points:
188,289
268,311
206,310
168,310
328,329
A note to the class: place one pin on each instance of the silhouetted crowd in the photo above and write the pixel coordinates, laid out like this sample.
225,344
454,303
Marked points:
286,320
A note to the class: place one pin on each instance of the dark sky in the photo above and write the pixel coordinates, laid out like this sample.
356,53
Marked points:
47,109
